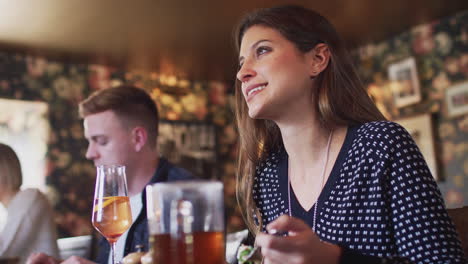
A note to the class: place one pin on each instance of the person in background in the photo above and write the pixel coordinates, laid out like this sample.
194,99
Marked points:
30,222
121,126
318,163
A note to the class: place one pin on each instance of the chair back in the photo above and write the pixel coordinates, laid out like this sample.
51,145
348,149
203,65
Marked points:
460,219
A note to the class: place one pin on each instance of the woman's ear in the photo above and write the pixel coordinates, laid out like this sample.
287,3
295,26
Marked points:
318,57
139,138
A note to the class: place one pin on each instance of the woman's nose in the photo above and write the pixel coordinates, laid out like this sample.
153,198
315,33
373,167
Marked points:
245,72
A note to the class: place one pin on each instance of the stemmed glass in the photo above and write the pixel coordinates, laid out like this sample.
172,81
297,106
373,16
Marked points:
111,210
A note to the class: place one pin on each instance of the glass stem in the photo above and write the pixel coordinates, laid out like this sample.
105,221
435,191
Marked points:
113,252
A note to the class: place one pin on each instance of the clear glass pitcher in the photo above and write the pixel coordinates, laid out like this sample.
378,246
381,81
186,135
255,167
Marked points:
186,222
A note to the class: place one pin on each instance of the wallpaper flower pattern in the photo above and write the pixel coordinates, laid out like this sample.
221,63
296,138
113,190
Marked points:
63,86
441,52
440,49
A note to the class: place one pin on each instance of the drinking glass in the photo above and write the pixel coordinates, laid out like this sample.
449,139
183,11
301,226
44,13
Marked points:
186,222
111,210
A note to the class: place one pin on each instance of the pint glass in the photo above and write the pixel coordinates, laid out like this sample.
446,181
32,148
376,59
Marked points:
186,222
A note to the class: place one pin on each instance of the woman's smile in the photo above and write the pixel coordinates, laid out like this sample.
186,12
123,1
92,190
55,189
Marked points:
252,90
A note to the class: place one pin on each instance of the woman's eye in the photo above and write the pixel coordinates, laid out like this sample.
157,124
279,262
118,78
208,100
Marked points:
262,50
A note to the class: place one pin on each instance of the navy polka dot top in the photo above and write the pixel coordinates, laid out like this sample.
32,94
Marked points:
380,203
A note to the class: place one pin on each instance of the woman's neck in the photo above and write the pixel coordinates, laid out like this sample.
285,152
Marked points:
7,196
307,144
304,140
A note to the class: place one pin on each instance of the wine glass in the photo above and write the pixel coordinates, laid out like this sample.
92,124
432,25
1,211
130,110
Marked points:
111,210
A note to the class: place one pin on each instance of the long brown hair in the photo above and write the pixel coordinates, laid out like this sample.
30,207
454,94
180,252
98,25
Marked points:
340,98
11,177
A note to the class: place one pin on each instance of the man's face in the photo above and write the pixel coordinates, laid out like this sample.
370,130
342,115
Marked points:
109,141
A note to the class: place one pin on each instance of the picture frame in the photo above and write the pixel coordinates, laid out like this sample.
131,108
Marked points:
405,82
456,98
420,128
25,127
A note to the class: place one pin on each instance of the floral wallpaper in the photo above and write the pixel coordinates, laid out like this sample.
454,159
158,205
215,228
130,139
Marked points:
63,86
440,49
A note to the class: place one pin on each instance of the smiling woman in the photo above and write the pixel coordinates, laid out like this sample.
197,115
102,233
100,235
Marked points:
318,161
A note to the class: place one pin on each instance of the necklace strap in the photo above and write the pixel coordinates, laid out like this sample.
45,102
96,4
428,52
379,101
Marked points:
327,153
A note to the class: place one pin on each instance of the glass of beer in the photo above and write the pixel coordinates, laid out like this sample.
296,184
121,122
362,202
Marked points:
111,210
186,222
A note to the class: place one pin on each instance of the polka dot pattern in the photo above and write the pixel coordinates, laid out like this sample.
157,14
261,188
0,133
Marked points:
383,200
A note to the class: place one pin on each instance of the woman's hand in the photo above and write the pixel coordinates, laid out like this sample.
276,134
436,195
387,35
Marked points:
301,246
41,258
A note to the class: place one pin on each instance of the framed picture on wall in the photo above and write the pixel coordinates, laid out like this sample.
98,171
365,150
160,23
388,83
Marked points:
457,99
421,129
405,83
25,127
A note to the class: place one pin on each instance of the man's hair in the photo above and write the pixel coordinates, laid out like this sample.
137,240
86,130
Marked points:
132,105
10,169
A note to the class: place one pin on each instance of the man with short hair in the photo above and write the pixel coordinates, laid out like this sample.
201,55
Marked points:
121,126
